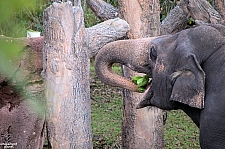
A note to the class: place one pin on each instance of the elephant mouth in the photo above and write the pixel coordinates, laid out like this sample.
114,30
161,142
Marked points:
147,96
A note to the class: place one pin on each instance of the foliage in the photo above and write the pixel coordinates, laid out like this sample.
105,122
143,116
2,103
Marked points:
26,17
191,21
141,81
106,112
20,16
112,2
11,50
166,6
89,18
33,18
8,49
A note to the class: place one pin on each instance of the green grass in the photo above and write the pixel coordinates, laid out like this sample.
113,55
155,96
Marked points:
179,131
106,110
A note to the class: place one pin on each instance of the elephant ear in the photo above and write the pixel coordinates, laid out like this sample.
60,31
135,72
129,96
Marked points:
189,84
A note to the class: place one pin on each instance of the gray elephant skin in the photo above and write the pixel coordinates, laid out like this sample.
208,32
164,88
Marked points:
187,71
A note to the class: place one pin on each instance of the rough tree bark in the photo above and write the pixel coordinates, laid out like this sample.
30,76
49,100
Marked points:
141,128
202,10
178,17
68,47
103,10
20,126
65,71
176,20
103,33
220,7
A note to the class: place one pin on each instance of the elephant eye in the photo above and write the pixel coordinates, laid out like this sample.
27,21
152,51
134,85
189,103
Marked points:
153,53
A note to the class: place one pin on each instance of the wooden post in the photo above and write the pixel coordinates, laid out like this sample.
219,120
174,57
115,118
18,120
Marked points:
141,128
66,71
68,47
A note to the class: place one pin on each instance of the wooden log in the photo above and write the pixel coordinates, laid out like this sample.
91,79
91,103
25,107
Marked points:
141,128
202,10
105,32
66,71
68,47
103,10
178,17
176,20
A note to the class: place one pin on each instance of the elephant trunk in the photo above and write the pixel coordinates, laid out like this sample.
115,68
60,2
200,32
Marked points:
131,53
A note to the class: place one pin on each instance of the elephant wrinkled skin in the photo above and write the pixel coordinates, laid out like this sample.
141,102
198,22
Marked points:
187,70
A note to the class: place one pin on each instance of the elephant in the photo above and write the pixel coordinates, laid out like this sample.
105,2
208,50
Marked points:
187,70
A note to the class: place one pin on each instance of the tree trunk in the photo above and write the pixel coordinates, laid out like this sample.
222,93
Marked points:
68,47
141,128
21,97
66,72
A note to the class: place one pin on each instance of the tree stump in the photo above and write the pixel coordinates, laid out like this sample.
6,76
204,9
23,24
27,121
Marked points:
66,72
68,47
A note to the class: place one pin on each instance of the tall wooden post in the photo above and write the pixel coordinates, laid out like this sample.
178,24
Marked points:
66,69
141,128
68,47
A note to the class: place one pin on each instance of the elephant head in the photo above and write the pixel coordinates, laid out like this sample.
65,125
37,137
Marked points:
175,62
